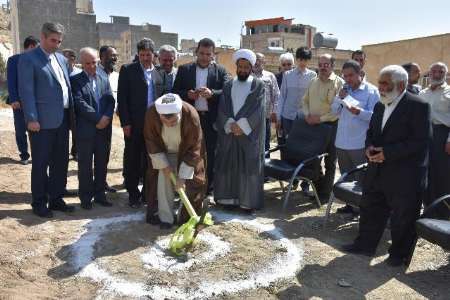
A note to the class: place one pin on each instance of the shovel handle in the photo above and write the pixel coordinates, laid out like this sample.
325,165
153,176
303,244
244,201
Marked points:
183,197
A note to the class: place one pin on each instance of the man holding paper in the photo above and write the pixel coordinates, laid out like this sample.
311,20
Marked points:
354,106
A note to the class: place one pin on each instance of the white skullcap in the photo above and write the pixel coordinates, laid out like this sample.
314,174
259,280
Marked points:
168,104
245,54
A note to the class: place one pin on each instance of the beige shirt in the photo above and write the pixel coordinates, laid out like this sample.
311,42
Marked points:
319,97
439,100
172,138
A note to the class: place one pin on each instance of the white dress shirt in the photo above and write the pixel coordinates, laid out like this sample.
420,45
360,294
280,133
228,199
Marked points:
389,109
201,80
60,76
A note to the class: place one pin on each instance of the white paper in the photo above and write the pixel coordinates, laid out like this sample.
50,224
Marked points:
349,101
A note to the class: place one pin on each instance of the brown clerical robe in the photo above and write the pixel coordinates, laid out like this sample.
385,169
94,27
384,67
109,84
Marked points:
191,151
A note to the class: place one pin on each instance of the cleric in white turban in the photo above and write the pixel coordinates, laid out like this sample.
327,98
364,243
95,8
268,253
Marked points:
246,54
238,179
174,141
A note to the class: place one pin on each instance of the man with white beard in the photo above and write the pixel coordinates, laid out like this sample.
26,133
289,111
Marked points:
437,94
397,150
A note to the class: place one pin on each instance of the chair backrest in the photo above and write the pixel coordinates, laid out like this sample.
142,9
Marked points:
305,141
439,209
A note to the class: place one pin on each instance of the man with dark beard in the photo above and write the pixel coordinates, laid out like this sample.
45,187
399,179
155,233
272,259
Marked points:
397,150
239,165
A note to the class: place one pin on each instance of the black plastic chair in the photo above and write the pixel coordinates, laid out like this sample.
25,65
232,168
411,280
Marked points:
434,224
349,192
300,157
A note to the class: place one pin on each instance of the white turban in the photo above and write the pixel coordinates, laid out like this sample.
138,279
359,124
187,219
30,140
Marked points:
168,104
245,54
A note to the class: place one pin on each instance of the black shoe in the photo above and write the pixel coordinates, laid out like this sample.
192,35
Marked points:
43,212
72,193
348,209
165,226
86,205
24,161
110,189
61,206
103,202
324,198
395,261
355,249
153,219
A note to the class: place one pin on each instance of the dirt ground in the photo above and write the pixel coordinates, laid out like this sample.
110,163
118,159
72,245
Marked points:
38,256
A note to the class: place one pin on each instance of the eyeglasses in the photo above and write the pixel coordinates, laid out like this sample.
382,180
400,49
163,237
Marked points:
286,65
324,65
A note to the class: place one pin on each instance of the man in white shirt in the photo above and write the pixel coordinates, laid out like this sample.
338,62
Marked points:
394,184
106,65
272,93
437,94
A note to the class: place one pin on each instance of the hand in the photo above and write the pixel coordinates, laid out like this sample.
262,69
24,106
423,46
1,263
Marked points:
375,154
193,95
15,105
235,129
312,119
127,131
104,121
273,117
354,110
167,171
205,92
447,148
180,184
34,126
343,93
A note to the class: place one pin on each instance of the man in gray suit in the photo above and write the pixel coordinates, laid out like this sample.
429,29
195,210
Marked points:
44,88
94,108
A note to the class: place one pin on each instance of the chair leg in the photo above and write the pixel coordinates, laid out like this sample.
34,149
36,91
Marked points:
282,186
330,202
316,196
287,194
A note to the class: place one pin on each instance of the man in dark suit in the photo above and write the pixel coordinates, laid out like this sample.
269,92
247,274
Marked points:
140,84
14,100
200,84
94,109
44,89
397,146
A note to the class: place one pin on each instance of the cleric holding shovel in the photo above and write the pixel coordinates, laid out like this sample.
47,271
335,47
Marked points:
174,141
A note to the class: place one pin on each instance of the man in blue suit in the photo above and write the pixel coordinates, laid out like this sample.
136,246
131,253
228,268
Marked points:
94,108
14,100
44,89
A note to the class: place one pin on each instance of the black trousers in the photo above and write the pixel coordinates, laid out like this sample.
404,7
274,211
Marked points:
376,207
93,150
210,135
135,163
50,153
439,170
325,184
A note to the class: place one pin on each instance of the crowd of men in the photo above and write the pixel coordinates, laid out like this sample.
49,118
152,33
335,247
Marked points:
195,127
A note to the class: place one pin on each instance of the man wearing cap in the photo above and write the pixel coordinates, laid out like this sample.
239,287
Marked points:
239,165
174,140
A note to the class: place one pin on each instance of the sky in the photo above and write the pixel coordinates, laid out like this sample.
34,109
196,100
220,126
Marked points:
354,23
